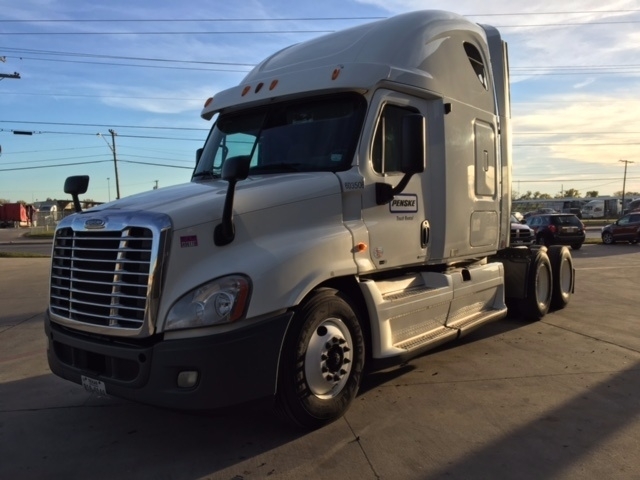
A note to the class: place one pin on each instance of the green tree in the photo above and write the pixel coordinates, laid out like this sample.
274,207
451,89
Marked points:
569,193
525,196
592,194
626,194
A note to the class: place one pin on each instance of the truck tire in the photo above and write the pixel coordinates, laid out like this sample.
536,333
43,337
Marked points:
563,275
539,287
322,361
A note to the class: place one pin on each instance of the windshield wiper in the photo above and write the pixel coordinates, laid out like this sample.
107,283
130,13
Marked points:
205,174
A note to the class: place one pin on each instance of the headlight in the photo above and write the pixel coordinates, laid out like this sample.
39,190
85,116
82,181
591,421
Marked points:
221,301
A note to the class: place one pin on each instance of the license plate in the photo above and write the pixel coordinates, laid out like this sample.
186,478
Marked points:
94,386
570,229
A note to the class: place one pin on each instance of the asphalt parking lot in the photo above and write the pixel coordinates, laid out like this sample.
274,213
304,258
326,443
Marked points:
555,399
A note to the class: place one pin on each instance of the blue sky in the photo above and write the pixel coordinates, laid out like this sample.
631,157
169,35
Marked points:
93,67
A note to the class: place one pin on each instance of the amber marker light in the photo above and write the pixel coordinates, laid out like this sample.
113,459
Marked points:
361,247
208,102
335,74
273,85
245,90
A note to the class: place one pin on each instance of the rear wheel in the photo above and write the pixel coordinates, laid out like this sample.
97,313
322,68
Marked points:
576,246
322,361
539,287
563,275
607,238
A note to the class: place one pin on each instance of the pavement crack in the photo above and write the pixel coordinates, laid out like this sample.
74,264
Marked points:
624,347
356,439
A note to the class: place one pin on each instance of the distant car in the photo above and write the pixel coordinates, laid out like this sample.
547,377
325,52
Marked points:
626,229
521,234
633,206
557,229
576,211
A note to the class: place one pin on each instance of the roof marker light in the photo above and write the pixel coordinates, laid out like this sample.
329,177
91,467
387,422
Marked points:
208,102
336,72
273,85
259,87
245,90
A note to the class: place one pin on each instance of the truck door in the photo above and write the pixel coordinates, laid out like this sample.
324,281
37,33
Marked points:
398,232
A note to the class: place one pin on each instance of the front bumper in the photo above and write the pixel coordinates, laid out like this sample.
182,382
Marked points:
234,367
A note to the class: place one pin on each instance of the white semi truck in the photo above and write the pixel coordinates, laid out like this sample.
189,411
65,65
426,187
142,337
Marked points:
348,212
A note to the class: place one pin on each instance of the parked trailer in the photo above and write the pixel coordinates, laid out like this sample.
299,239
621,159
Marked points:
349,211
16,215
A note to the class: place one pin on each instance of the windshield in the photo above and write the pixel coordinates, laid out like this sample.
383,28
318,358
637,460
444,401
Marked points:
318,134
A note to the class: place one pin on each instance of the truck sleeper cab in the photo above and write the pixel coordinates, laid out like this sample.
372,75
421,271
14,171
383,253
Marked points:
348,211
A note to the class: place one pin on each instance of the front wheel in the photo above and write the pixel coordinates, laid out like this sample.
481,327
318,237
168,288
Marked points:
322,361
607,238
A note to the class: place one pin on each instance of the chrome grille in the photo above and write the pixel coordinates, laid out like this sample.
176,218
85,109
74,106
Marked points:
102,278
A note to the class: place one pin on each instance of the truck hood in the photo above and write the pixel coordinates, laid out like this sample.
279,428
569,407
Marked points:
200,202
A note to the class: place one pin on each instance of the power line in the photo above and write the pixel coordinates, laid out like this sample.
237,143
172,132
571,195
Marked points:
280,32
220,32
120,57
571,179
51,166
290,19
556,144
103,125
113,64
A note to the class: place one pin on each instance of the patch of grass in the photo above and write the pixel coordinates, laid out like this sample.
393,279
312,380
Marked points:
22,255
40,235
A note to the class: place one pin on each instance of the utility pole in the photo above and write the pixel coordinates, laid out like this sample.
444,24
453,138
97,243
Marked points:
156,185
112,147
115,161
624,181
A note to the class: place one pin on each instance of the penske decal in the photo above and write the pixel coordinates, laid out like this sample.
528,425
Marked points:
404,203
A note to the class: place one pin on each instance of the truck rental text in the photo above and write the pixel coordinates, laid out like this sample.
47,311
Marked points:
349,210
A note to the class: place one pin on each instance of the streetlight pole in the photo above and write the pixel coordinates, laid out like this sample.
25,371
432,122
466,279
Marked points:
624,180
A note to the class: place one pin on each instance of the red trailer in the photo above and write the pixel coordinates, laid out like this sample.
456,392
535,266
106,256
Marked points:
16,215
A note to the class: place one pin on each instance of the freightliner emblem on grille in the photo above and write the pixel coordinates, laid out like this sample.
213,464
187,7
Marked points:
94,223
